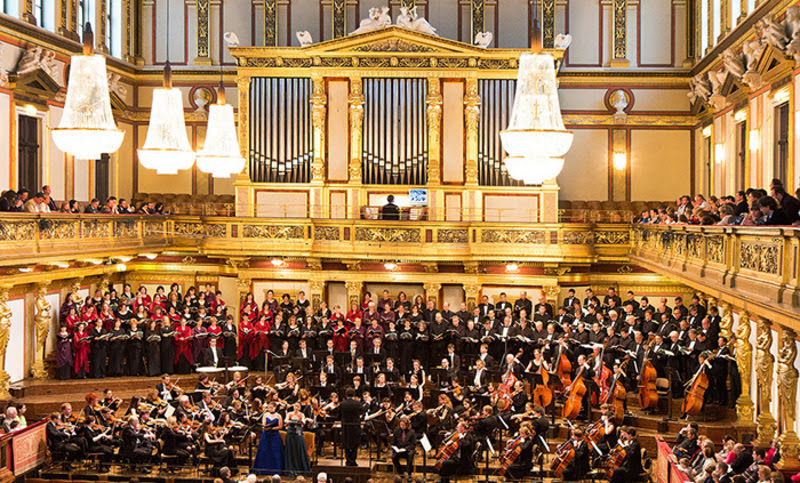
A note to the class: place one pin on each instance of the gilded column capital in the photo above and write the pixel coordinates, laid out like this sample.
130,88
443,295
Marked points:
316,285
764,369
433,109
355,105
787,399
354,286
472,113
432,287
76,285
472,289
5,333
243,284
744,362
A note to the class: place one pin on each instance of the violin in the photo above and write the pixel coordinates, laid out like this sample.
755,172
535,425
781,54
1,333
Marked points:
648,394
693,400
564,456
510,454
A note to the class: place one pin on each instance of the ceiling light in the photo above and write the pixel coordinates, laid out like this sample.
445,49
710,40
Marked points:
149,256
535,139
87,127
278,263
124,259
391,266
707,131
512,268
62,264
220,155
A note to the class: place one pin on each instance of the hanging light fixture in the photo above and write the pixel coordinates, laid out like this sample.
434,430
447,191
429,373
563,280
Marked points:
166,148
535,140
220,155
87,127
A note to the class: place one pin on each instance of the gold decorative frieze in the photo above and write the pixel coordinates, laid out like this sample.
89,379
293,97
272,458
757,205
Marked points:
548,23
620,30
59,230
477,17
394,45
715,249
446,235
760,257
200,229
577,238
271,22
13,230
326,233
397,235
126,229
534,237
203,32
96,228
612,237
273,232
153,228
339,8
694,244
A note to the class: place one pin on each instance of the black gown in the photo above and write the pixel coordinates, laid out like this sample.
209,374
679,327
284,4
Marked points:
133,353
167,347
153,349
116,347
97,356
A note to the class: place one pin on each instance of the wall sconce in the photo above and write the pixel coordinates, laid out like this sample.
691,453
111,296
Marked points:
707,131
755,140
620,161
719,152
781,96
740,116
31,110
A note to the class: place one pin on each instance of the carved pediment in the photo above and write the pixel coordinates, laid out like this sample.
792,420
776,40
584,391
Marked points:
393,39
773,64
36,83
732,87
699,107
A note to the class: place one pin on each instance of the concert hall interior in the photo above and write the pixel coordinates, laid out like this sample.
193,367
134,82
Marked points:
389,240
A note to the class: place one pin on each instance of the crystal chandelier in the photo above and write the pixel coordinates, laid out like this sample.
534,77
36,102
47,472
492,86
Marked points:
87,126
535,139
166,147
220,155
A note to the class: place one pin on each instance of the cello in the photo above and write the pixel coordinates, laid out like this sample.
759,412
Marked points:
572,407
449,448
564,456
693,400
648,394
616,395
510,454
615,459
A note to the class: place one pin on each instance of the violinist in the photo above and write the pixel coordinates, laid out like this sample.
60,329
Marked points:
459,461
486,423
631,468
206,384
92,405
579,466
216,449
522,446
137,444
99,440
519,398
178,441
404,441
167,390
236,383
444,416
483,355
479,379
61,440
539,426
209,409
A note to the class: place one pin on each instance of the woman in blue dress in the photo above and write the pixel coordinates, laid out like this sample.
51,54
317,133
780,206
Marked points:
296,453
269,458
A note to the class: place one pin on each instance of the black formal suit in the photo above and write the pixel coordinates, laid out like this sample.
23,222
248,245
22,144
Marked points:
59,442
404,440
631,468
579,466
455,361
350,411
777,218
521,466
488,361
209,354
162,392
461,462
134,446
569,301
482,381
503,305
547,308
526,304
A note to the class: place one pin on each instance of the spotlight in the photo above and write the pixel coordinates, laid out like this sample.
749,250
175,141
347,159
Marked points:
391,266
124,259
278,263
512,268
121,267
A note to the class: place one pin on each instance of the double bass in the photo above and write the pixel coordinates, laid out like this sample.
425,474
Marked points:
576,391
542,394
693,400
564,456
563,367
648,394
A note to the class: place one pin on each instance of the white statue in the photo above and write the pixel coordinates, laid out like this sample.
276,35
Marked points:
231,39
733,62
483,39
562,41
619,101
717,77
408,19
793,26
202,98
37,58
774,32
699,88
115,86
377,19
304,38
49,63
752,50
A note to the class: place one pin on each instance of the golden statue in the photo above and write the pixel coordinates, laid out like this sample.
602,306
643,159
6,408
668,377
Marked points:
5,333
744,352
764,363
726,321
787,378
42,321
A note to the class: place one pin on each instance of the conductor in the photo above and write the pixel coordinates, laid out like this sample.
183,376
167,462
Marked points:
350,411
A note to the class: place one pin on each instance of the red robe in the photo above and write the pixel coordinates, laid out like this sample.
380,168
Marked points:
260,341
72,321
351,315
246,334
341,341
183,346
108,321
216,331
80,352
253,308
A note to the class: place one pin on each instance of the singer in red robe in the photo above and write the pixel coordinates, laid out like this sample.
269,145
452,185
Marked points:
246,334
183,348
80,351
260,342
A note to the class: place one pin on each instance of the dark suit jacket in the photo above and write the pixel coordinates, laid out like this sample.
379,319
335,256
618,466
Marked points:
777,218
208,356
350,411
410,442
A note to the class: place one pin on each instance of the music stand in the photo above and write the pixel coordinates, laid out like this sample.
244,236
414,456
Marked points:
319,360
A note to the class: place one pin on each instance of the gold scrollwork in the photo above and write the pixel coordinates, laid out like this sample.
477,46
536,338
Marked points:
446,235
95,229
59,230
126,229
679,245
339,18
535,237
393,45
715,249
330,233
270,22
202,28
398,235
548,23
620,29
760,257
153,228
612,237
694,244
273,232
577,238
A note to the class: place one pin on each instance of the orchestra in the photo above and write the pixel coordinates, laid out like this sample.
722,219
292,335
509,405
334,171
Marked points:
411,375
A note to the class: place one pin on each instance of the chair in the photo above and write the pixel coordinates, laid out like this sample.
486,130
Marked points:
663,390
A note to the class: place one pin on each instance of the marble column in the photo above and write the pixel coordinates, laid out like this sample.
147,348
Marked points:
41,322
765,362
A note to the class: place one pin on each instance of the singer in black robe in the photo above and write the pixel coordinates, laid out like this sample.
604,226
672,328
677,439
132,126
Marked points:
97,356
152,337
133,351
116,347
167,347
